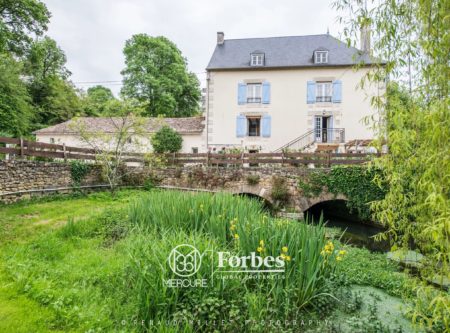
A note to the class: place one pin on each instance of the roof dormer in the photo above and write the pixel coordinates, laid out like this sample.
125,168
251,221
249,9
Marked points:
321,56
257,58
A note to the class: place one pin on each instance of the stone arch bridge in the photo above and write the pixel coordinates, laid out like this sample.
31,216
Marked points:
258,182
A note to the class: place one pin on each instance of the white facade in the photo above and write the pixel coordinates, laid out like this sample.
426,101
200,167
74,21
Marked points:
192,142
291,114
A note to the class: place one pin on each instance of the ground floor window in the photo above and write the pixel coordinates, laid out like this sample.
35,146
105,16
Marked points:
254,126
194,150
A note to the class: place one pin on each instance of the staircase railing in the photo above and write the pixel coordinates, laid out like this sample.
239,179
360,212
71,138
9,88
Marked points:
319,135
299,143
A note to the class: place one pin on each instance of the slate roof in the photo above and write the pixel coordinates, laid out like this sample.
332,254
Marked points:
109,124
290,51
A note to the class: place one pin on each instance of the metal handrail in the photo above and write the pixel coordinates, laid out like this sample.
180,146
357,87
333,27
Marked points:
309,138
301,137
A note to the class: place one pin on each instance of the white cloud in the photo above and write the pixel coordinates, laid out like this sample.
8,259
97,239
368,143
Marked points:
93,32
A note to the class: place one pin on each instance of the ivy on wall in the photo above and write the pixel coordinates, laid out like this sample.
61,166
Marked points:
78,171
357,183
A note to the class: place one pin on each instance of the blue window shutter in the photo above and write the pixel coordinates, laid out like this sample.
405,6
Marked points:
242,93
266,124
241,126
266,93
337,91
311,92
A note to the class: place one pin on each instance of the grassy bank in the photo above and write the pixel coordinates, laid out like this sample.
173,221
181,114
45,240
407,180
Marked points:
99,263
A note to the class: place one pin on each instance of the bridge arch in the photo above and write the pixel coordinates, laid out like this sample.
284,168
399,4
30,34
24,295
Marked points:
254,191
306,203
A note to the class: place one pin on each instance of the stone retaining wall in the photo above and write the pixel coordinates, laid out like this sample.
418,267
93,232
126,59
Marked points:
22,176
22,179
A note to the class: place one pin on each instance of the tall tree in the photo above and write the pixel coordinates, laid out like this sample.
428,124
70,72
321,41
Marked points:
15,107
55,99
46,59
156,72
95,103
20,20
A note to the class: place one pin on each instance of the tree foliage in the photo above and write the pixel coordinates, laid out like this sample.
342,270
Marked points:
95,103
15,107
413,37
55,99
20,20
357,183
58,101
166,140
156,72
45,59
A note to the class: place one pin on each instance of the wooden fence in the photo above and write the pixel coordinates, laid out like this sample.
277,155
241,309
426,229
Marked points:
19,148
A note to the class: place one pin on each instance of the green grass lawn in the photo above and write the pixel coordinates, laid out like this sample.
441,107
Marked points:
77,264
24,222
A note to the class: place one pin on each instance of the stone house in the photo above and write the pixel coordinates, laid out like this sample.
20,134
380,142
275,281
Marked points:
297,92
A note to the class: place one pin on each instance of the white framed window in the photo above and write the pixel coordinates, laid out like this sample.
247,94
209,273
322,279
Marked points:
52,140
324,91
254,92
257,59
321,57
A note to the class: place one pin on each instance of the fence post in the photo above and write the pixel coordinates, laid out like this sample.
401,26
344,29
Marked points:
64,152
282,158
207,158
329,158
21,147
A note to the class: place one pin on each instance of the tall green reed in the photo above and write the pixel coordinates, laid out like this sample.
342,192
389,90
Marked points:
240,226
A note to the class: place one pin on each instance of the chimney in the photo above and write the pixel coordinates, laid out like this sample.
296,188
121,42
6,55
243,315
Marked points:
365,38
220,38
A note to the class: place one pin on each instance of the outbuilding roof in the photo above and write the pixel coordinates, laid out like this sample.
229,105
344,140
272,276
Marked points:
109,125
289,51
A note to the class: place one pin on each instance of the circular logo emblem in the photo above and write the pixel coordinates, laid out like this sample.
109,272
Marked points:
185,260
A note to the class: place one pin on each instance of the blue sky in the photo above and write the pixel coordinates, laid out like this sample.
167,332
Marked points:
93,32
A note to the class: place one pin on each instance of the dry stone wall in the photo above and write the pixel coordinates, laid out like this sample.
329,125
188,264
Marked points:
21,179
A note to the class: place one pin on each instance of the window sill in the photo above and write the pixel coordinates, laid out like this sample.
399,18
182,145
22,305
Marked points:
254,105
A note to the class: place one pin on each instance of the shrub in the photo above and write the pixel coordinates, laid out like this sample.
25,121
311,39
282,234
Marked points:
78,171
280,190
166,140
252,179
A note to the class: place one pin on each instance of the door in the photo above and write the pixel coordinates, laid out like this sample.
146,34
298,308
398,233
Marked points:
318,128
321,128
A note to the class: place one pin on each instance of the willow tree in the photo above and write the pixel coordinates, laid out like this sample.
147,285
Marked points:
413,39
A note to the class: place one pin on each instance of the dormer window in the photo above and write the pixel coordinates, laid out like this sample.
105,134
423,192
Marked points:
257,59
321,57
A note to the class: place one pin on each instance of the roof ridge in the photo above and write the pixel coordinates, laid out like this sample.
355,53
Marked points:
287,36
